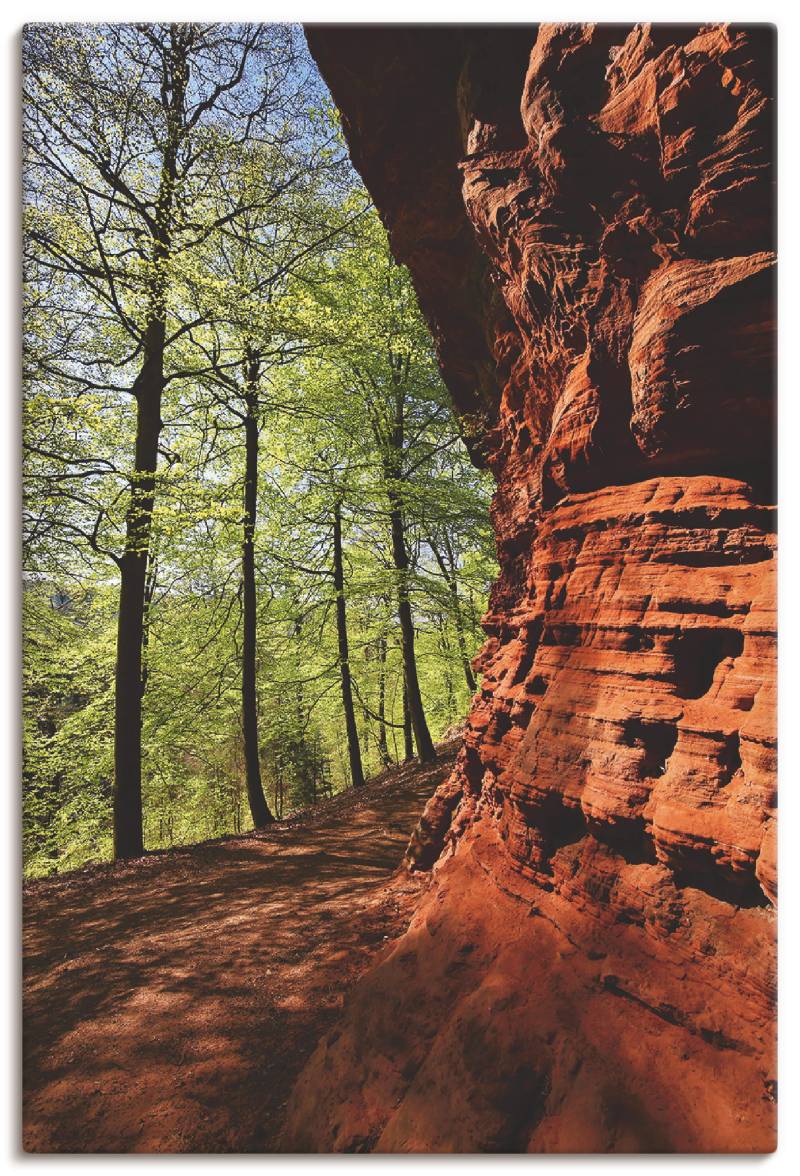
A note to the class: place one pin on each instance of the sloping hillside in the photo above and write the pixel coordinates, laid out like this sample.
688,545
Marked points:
170,1003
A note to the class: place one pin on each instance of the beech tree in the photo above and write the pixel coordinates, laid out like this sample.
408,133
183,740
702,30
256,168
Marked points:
123,127
353,747
289,211
388,392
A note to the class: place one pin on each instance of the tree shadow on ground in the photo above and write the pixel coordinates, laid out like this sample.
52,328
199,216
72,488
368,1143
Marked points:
170,1003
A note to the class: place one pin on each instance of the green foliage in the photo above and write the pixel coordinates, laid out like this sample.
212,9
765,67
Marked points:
68,682
292,311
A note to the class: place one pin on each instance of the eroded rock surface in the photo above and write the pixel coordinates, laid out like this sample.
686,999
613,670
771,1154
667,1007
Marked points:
587,212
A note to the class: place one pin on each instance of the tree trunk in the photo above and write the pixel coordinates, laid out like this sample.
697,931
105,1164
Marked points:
469,677
408,737
353,747
392,472
422,737
147,390
259,809
127,797
383,743
452,584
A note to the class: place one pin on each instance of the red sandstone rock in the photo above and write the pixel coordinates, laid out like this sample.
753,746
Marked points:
587,213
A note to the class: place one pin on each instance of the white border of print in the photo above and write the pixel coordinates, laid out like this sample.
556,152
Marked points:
358,11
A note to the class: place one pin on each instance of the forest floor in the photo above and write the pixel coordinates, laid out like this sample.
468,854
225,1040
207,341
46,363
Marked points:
170,1003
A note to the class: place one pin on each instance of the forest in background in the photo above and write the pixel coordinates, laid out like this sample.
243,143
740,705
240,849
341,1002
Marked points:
255,549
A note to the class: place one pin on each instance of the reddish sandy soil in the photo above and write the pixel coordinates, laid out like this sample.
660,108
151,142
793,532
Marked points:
170,1003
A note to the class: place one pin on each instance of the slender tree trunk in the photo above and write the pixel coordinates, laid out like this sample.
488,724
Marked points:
422,736
408,735
353,747
259,809
383,743
452,584
469,677
392,471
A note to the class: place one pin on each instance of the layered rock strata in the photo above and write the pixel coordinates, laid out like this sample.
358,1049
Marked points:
587,213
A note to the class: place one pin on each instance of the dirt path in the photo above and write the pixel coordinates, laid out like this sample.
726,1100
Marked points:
170,1004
